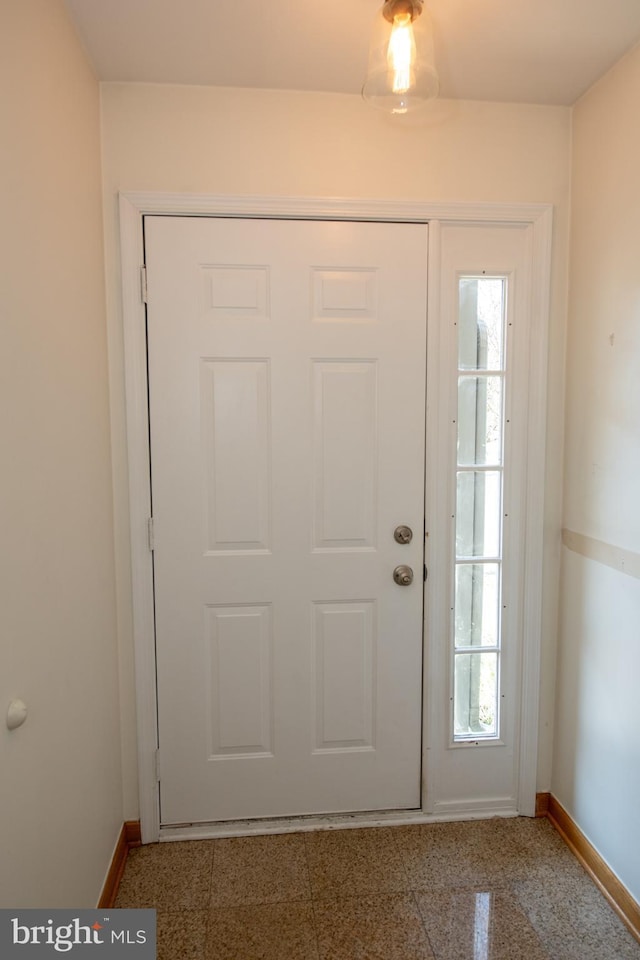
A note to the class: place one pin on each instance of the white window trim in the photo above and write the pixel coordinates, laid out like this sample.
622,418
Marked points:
133,206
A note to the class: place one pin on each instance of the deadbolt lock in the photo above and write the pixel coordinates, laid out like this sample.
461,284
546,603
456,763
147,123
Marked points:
403,534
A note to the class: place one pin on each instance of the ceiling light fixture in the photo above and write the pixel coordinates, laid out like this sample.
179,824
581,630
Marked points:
402,75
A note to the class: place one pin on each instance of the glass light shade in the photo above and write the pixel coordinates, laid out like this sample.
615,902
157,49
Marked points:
402,76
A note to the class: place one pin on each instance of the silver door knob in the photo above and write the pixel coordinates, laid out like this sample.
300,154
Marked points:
403,534
403,575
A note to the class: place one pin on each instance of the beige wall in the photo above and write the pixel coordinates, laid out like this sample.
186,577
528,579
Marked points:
596,772
60,786
217,141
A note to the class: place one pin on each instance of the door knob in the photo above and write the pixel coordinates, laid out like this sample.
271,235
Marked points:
403,534
403,575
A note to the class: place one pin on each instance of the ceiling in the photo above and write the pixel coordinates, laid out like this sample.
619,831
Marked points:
528,51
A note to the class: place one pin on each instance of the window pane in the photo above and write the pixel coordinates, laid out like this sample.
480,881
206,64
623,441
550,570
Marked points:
481,323
476,695
480,437
478,514
477,604
480,420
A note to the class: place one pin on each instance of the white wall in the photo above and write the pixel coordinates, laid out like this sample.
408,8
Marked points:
217,141
596,770
61,785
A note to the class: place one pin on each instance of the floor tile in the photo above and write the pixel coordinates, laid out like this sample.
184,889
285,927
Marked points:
549,919
478,925
266,869
174,876
501,889
345,863
280,931
384,927
574,921
442,855
181,936
519,848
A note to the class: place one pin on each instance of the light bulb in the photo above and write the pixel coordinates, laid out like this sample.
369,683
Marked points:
401,52
401,74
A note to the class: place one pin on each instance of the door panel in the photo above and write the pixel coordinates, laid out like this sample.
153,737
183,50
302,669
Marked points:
235,451
345,431
286,392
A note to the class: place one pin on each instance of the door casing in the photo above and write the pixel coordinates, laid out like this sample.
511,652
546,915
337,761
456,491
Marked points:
133,207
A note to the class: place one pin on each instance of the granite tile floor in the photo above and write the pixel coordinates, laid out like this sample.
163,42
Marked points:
503,889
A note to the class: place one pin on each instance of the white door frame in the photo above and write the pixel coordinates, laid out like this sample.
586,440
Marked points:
133,207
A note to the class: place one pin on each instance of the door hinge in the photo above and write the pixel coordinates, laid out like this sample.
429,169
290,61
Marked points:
143,283
424,575
157,766
150,538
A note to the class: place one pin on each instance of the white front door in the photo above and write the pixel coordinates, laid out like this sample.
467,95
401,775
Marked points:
287,404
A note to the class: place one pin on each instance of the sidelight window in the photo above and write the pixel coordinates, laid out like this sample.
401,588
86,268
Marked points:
479,511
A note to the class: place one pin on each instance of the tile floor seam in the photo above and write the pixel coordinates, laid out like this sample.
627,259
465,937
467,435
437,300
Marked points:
313,906
259,903
424,926
395,839
208,918
308,866
315,930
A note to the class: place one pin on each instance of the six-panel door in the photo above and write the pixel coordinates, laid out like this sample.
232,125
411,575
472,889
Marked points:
287,403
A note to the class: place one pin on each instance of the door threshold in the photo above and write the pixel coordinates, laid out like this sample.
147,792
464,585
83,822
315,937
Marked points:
306,824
